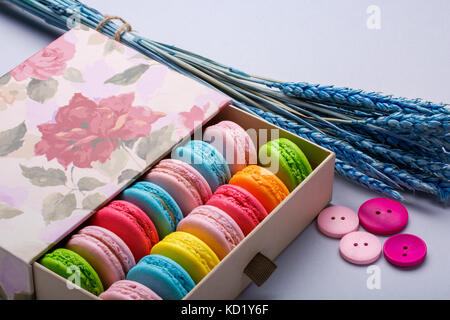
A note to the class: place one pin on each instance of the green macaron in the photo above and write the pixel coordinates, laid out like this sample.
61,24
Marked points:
285,159
73,267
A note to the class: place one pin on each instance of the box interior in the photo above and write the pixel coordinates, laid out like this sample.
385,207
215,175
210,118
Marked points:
227,280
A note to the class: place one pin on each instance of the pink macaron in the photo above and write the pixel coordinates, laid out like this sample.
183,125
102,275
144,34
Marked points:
234,143
185,184
129,290
214,227
105,251
240,205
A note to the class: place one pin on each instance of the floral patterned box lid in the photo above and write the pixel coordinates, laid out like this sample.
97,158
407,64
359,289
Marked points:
80,120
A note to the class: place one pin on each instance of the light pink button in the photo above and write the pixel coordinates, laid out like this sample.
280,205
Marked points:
360,247
405,250
383,216
337,221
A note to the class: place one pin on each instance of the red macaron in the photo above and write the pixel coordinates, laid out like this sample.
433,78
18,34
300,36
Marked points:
131,224
240,205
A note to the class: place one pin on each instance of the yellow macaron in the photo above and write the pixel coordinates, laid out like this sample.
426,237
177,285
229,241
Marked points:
189,252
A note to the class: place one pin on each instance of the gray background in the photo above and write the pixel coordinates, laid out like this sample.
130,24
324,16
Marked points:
317,41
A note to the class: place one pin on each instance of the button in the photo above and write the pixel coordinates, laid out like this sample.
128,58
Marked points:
360,247
337,221
383,216
405,250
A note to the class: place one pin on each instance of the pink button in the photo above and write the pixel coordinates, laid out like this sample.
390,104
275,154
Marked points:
360,247
337,221
383,216
405,250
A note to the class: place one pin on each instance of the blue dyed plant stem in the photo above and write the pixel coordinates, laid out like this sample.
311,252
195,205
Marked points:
356,98
358,177
381,142
441,186
404,123
398,156
352,156
436,152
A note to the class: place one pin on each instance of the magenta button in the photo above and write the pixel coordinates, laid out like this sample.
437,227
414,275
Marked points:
383,216
405,250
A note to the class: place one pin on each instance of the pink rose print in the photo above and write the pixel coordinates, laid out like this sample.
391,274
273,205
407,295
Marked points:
49,62
197,114
188,120
85,131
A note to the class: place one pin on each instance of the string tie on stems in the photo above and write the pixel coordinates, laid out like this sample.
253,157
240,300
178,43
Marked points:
125,26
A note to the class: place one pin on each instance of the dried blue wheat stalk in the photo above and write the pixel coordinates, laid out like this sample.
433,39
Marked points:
372,134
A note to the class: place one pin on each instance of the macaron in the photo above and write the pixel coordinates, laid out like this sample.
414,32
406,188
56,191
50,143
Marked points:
131,224
233,142
206,160
72,266
240,205
284,158
185,184
159,206
263,184
129,290
104,251
189,252
214,227
163,276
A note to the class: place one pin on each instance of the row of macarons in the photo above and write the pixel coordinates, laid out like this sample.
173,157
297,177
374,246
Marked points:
188,194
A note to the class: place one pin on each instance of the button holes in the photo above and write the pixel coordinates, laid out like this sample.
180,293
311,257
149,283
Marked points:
404,254
355,244
342,218
389,211
405,248
332,218
378,212
366,244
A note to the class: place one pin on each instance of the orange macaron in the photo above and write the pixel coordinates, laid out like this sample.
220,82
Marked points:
263,184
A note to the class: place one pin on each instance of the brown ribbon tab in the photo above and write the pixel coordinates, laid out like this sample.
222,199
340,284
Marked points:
259,269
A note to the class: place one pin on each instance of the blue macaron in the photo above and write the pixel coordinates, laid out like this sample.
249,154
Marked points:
163,275
205,159
160,207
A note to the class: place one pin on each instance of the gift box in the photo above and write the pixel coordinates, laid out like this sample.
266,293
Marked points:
87,117
252,259
80,121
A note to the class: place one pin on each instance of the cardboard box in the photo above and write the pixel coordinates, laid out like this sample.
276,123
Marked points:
81,120
227,280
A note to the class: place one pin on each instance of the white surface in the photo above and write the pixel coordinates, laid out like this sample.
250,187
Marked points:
318,41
